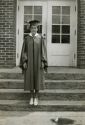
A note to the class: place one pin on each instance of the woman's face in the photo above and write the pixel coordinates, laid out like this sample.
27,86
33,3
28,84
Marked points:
33,29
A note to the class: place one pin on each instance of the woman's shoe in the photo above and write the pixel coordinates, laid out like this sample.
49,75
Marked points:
31,101
35,101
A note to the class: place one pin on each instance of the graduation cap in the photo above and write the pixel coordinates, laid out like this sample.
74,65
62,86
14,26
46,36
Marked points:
34,23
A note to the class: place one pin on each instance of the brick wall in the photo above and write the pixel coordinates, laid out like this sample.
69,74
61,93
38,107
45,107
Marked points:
7,33
81,34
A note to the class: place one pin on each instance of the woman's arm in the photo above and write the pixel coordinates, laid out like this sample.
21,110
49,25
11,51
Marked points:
23,58
44,54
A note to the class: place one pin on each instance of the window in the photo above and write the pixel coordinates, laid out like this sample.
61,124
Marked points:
61,24
32,13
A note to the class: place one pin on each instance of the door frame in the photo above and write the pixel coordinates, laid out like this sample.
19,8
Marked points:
17,29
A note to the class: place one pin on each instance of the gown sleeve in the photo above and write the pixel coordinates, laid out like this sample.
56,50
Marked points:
44,54
23,57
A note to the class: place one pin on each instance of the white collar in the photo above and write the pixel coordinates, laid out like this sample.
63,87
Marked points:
35,34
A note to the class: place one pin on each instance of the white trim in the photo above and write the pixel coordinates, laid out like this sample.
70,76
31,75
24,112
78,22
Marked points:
16,32
76,33
34,35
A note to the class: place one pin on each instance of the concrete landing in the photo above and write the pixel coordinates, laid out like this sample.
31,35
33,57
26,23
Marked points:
41,118
50,70
65,70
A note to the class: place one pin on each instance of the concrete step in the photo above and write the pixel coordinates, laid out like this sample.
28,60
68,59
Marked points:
49,84
65,76
12,75
11,84
50,76
57,94
65,84
23,105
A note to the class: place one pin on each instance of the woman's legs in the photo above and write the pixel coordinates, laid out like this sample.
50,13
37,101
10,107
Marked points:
31,93
36,97
36,93
31,97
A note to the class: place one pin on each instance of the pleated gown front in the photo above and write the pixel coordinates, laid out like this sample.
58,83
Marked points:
35,49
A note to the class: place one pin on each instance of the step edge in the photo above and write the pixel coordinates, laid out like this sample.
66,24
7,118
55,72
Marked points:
44,91
64,81
55,81
51,102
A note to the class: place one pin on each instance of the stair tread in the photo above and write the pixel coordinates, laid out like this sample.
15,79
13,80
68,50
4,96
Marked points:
21,80
64,80
11,80
50,70
44,91
53,102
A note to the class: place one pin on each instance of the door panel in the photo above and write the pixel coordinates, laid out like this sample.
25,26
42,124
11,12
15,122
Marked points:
28,11
61,37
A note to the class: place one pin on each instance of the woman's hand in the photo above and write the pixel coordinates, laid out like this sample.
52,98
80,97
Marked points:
46,70
25,65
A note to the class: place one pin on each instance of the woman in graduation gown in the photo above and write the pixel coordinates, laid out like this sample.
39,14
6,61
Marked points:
33,61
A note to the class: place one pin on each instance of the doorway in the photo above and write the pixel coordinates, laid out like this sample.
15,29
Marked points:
58,21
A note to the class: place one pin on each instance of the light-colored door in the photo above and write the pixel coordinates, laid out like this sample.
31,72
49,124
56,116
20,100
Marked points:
61,33
27,11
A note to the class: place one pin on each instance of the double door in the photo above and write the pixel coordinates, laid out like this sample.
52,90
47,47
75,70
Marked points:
57,25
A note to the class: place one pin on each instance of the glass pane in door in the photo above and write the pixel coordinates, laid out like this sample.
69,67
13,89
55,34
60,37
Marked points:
28,10
32,13
61,24
38,10
66,10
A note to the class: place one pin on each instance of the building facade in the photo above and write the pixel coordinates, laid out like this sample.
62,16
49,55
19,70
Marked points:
62,23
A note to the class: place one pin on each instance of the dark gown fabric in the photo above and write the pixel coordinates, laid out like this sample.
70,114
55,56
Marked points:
34,53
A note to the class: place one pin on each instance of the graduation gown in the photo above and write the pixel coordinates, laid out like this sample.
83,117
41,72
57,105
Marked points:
34,53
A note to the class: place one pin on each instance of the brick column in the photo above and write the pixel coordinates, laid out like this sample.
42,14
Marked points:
81,34
7,33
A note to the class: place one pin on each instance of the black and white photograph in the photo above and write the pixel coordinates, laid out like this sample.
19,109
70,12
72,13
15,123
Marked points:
42,62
